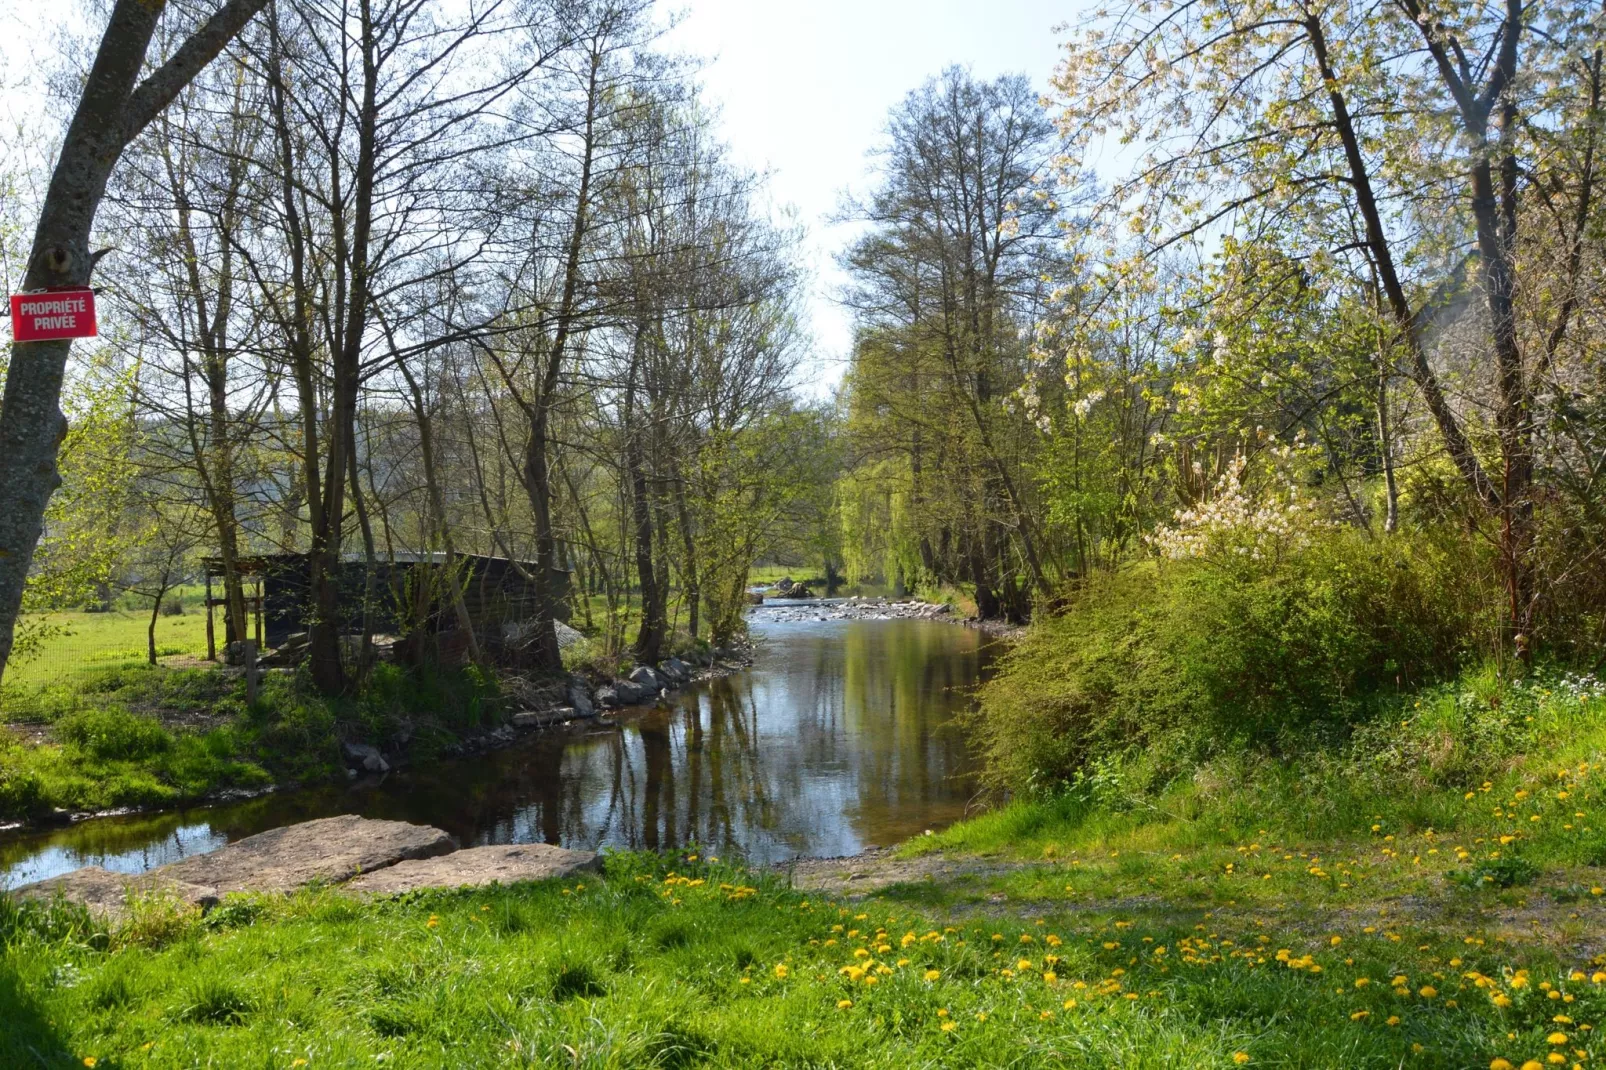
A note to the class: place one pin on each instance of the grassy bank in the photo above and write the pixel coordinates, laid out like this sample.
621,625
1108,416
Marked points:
145,737
682,962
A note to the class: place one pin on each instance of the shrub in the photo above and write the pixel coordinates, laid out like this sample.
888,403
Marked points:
1175,661
114,733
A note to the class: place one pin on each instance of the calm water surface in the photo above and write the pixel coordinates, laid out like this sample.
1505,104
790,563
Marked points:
840,737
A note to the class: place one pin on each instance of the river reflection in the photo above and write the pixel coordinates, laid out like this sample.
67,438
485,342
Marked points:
840,737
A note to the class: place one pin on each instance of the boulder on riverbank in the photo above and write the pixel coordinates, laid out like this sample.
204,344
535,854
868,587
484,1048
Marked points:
476,867
358,854
330,850
106,894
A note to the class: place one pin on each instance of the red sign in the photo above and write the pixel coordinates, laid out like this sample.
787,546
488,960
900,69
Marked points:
45,317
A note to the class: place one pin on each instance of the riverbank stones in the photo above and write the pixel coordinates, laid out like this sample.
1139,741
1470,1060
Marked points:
330,850
476,867
106,894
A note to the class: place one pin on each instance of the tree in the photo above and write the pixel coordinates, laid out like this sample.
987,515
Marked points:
1439,131
114,107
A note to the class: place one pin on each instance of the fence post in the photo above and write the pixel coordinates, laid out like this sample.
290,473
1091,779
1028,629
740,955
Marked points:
211,639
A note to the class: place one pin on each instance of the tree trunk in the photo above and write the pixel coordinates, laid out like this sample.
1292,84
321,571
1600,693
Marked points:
112,110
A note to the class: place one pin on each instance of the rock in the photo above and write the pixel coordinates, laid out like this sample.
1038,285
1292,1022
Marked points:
580,697
105,893
365,756
567,636
332,849
531,719
477,867
647,679
629,693
677,670
608,697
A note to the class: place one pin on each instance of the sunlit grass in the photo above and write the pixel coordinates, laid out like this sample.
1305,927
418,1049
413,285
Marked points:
683,962
116,639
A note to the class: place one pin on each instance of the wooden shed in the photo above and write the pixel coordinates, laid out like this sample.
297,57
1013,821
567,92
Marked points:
408,596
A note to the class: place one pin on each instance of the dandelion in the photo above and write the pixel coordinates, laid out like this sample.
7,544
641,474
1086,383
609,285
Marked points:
1427,992
843,1004
1501,1064
932,975
781,971
1392,1019
90,1060
1240,1057
1360,1016
949,1026
1556,1038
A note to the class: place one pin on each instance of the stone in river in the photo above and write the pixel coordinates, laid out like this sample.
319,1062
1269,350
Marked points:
331,850
647,679
476,867
105,894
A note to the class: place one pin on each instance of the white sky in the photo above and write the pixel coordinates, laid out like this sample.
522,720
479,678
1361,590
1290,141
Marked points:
803,89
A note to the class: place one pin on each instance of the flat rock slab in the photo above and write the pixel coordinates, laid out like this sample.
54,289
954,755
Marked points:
476,867
330,850
106,894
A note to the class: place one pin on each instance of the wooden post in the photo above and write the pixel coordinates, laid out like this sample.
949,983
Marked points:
259,613
211,638
250,650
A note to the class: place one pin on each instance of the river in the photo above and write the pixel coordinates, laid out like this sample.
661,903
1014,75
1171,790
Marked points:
841,736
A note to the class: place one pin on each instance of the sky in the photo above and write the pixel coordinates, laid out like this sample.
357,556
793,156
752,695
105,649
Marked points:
803,90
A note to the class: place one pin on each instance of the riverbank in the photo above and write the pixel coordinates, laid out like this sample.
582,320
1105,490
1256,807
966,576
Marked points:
686,960
148,740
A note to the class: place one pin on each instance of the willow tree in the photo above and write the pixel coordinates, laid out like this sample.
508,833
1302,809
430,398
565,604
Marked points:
1461,139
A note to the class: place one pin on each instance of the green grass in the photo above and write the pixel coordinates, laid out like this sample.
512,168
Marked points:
149,737
1470,785
93,642
676,962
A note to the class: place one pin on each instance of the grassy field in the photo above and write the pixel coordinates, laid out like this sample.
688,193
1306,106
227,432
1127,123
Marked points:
90,642
684,961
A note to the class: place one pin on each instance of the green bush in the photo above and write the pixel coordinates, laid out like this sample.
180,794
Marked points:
114,733
1173,662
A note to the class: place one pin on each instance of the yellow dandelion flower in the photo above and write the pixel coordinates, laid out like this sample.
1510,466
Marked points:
949,1026
1427,991
843,1004
1360,1016
781,971
1240,1057
1392,1019
1556,1038
932,975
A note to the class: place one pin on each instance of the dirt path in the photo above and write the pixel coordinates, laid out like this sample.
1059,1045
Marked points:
970,886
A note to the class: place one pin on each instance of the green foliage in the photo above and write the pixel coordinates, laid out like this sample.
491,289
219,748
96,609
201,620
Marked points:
1184,660
112,732
141,736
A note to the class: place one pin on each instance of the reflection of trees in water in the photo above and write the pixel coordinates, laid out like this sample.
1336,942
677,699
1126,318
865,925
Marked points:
835,740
